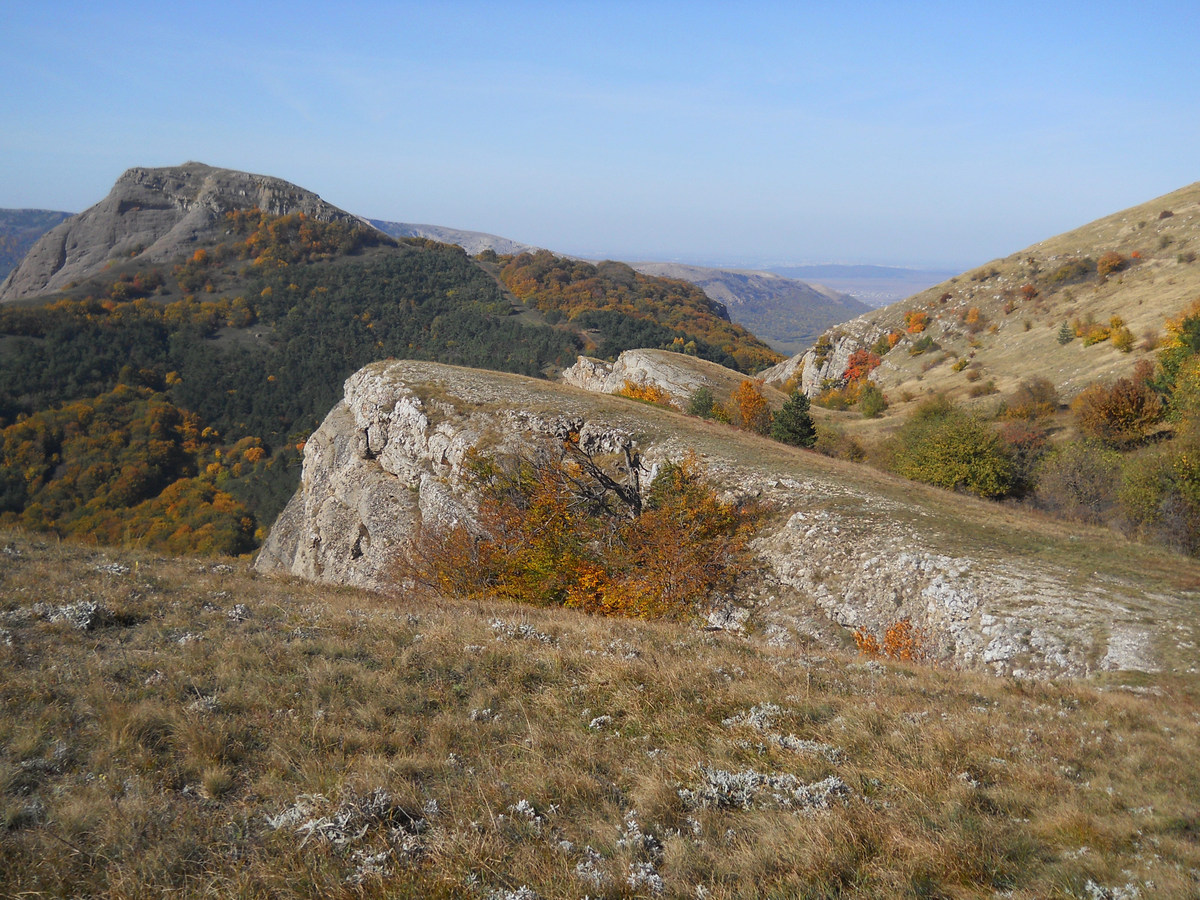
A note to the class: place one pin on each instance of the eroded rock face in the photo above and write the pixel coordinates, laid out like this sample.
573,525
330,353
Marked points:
155,214
833,555
818,365
385,460
679,376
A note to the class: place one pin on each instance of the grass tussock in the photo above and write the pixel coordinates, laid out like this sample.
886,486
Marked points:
216,734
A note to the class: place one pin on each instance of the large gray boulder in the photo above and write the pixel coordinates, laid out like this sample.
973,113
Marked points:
840,551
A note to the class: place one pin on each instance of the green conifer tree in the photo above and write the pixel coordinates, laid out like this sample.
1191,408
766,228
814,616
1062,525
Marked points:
794,424
1066,334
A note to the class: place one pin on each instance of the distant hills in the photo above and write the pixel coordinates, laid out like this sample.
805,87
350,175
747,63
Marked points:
474,242
873,285
20,230
786,313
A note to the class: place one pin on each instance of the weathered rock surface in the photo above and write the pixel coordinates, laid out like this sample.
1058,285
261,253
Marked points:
155,214
818,364
679,375
389,457
836,555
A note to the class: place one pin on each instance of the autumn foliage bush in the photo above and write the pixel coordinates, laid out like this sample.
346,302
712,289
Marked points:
1121,414
915,321
902,640
560,526
749,408
646,393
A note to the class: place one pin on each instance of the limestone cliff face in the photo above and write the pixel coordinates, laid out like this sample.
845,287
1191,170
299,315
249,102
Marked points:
834,555
819,364
387,459
155,214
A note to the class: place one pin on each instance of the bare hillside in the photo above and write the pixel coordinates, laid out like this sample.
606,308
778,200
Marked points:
1001,322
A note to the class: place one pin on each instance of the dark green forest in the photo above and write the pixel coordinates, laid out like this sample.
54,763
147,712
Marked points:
250,340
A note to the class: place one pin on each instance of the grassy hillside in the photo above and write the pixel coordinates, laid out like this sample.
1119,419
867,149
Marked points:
175,726
1004,318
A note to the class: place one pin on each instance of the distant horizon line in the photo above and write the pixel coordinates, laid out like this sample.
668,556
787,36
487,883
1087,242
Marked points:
688,260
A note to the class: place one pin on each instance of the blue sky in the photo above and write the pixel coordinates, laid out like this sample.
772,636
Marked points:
934,134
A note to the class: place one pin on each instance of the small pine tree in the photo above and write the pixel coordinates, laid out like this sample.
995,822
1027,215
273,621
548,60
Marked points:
794,424
1066,334
701,403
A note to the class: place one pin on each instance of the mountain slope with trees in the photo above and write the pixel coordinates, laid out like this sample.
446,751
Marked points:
786,313
247,335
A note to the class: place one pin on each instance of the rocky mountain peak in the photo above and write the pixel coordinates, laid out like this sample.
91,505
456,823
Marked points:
154,214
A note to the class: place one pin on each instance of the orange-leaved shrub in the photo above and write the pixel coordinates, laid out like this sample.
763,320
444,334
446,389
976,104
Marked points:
749,407
559,525
1121,414
646,393
902,640
915,321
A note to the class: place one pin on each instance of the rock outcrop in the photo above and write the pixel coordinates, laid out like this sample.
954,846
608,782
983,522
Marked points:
389,457
835,554
677,374
154,214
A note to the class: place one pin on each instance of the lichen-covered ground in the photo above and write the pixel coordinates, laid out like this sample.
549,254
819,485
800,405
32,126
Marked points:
183,728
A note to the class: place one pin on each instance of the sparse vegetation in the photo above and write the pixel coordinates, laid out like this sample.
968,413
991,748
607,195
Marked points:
237,737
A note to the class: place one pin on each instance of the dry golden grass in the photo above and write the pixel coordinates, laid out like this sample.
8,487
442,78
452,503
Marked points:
217,734
1020,339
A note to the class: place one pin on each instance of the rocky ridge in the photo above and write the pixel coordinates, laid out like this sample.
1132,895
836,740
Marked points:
474,242
677,374
836,555
155,215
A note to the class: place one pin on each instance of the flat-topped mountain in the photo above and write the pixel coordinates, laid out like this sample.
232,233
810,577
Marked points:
154,215
875,286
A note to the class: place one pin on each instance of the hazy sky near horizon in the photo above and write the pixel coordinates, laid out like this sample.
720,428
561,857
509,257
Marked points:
922,134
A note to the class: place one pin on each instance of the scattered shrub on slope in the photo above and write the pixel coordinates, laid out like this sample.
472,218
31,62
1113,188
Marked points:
943,445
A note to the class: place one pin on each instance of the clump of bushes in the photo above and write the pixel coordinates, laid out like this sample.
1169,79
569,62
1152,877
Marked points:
1121,414
1110,262
559,526
645,393
902,640
943,445
1073,271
